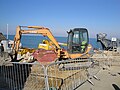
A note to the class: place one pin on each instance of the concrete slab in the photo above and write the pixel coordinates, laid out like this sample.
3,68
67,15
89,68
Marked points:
109,80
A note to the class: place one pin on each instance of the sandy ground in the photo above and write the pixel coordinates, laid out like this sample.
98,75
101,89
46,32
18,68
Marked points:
109,80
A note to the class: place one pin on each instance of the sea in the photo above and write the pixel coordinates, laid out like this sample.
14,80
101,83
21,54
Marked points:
32,41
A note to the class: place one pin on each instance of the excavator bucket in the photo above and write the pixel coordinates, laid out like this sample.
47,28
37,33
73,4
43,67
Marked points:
45,56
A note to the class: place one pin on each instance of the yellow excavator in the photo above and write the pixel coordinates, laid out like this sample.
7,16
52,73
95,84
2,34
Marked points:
77,44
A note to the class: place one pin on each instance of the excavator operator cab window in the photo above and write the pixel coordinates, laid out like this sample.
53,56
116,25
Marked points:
77,40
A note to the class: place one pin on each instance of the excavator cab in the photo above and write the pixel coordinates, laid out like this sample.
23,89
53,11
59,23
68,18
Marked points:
77,40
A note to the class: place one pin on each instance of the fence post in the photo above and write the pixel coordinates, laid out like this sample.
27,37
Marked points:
46,78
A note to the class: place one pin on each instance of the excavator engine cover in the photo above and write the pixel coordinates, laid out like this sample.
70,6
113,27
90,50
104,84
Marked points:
45,56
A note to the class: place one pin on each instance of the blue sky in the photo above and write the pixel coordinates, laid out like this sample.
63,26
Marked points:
62,15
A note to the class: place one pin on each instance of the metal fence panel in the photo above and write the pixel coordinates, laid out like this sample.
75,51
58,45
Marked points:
22,76
67,75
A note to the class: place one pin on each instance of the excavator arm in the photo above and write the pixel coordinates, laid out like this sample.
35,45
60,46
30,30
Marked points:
37,30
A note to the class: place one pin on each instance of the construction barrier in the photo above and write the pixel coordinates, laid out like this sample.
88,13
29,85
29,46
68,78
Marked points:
22,76
67,75
62,75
